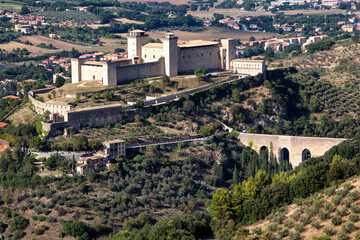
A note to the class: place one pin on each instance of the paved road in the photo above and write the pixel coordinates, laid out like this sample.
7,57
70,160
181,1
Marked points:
67,155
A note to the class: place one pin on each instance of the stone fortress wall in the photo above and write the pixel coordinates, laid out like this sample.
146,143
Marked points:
141,70
199,57
53,107
94,117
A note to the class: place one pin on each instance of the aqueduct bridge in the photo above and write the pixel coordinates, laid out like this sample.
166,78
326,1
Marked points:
293,148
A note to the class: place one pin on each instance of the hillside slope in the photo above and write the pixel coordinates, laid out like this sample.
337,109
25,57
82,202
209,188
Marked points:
333,212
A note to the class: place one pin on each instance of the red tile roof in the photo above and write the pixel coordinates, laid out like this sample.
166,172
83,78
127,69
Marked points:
2,125
11,96
30,80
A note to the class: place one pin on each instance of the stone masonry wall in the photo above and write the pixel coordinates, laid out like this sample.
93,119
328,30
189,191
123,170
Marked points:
191,59
295,145
142,70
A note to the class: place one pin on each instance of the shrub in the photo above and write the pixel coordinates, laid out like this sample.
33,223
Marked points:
294,235
330,191
256,230
18,234
299,227
357,235
40,230
354,217
355,209
353,196
280,219
283,233
329,207
288,223
18,223
336,220
296,215
272,227
51,219
328,231
324,215
337,200
322,238
342,236
76,229
305,220
349,227
316,225
342,212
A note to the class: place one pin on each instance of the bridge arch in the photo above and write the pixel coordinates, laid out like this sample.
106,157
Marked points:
284,154
264,153
306,154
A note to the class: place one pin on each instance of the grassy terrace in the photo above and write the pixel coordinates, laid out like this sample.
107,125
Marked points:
131,132
82,94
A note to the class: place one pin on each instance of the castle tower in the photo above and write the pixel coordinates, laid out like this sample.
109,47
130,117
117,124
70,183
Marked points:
76,69
227,52
171,54
136,39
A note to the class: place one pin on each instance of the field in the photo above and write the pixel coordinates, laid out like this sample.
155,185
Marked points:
175,2
34,51
125,20
9,4
97,25
109,45
334,212
243,13
214,33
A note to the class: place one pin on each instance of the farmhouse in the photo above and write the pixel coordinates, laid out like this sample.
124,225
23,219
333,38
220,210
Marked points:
155,59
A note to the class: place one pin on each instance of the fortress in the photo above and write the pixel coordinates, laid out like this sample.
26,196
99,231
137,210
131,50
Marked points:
156,59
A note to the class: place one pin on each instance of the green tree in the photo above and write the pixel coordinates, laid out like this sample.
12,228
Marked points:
165,80
60,81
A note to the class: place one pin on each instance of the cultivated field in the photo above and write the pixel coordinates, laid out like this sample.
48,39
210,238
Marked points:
10,4
34,51
97,25
109,45
242,13
214,33
125,20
